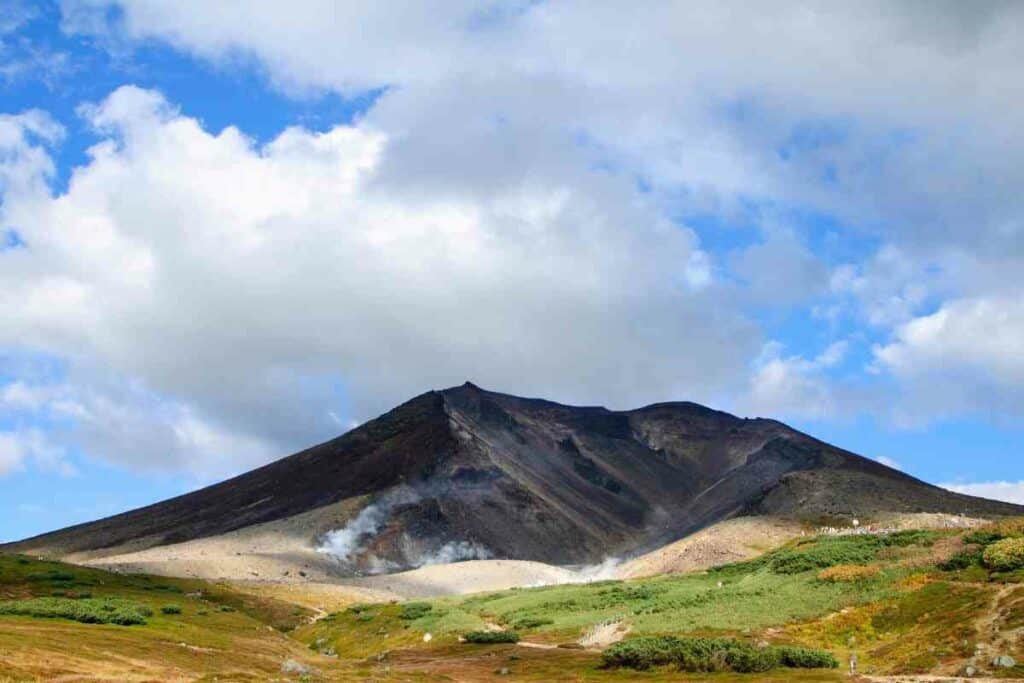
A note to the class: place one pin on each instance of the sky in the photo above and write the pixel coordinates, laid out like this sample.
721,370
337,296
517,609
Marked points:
232,230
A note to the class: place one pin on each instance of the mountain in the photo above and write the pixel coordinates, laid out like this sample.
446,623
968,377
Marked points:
465,472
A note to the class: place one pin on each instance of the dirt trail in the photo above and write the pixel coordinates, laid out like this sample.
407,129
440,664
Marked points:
929,678
999,641
992,640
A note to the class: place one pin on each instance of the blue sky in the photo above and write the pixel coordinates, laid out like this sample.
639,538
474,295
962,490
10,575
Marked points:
231,233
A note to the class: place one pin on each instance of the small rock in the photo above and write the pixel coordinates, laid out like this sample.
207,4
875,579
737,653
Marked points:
290,666
427,637
503,671
1004,662
968,671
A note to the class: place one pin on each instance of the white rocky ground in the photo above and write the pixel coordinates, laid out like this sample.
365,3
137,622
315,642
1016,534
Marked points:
281,554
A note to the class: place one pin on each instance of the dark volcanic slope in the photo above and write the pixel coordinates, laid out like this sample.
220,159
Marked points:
532,479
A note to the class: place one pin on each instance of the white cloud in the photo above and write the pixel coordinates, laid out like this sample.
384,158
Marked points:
215,297
966,357
1011,492
898,119
460,229
11,453
728,100
14,14
889,462
793,385
890,287
26,445
781,272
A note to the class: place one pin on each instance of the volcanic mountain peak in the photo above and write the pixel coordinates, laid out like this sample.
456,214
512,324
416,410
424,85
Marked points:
466,472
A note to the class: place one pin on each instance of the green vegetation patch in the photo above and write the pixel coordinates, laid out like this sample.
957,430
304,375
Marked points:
490,637
710,654
52,576
823,552
526,623
414,610
962,560
983,536
86,610
171,609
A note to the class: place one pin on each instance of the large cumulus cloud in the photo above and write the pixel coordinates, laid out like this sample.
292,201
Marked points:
222,301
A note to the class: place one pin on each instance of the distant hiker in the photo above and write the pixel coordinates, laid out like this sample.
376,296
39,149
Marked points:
853,664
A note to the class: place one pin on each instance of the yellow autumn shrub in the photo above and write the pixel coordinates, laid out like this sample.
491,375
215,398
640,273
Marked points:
1005,555
847,573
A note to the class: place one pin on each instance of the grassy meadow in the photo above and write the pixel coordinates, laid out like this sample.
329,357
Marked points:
912,602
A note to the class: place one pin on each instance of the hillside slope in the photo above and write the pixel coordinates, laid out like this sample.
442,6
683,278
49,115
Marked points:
466,473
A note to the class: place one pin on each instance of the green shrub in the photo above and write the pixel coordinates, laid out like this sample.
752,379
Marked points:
909,537
171,609
1006,555
826,552
226,608
962,560
358,607
414,610
752,659
983,537
710,654
53,576
488,637
643,653
86,611
531,622
806,658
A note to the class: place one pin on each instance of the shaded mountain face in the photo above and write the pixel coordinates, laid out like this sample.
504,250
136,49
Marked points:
466,473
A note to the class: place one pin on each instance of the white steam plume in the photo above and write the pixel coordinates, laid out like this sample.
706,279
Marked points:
346,542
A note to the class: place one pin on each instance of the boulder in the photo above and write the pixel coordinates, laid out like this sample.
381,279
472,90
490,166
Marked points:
1004,662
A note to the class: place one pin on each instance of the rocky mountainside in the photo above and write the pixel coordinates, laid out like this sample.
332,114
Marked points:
465,472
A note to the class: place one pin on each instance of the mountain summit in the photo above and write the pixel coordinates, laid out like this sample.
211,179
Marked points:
465,472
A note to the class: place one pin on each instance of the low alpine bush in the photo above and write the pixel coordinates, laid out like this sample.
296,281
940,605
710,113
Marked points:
962,560
488,637
415,610
86,611
710,654
531,622
806,658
